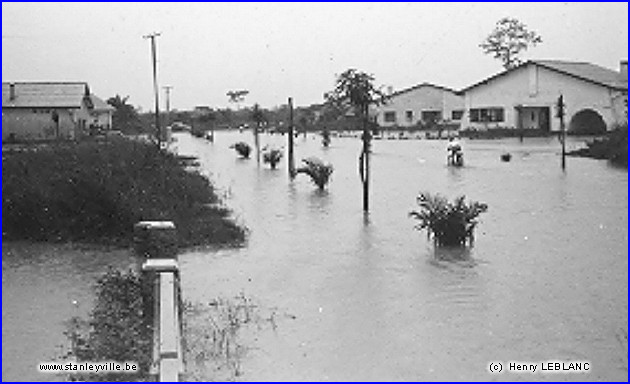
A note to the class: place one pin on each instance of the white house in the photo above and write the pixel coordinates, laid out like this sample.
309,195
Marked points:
101,114
525,97
421,104
49,110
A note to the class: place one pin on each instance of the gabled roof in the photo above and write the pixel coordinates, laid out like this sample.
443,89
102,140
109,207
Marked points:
100,105
580,70
44,95
422,85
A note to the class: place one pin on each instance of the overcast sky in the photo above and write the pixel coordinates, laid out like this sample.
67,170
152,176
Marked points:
277,50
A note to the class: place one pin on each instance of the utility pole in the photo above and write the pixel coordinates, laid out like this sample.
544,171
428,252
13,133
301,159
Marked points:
364,165
158,130
291,156
560,114
167,89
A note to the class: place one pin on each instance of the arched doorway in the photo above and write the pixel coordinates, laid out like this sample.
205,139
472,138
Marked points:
587,122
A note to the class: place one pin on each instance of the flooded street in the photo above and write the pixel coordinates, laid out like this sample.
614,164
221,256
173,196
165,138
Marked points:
39,284
368,299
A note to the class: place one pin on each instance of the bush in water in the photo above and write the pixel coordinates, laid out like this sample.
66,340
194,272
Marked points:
318,171
243,149
272,157
450,223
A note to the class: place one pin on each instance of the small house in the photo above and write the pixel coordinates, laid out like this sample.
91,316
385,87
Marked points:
421,105
51,110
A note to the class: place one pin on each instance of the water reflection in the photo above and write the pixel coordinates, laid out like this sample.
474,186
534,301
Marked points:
320,201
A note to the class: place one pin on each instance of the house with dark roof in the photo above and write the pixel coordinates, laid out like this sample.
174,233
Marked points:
51,110
525,97
423,104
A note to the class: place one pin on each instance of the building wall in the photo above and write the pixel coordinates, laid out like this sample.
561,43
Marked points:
102,119
37,123
416,101
534,86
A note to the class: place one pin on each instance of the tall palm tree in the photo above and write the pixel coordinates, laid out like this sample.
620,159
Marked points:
355,91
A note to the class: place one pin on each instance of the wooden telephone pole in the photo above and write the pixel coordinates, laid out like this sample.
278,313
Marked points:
364,165
561,106
158,130
291,154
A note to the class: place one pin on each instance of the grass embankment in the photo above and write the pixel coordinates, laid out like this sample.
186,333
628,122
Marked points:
95,192
613,147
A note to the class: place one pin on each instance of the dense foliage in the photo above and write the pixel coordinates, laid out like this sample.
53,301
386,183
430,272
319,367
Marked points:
96,192
318,171
120,327
243,149
613,147
272,157
450,223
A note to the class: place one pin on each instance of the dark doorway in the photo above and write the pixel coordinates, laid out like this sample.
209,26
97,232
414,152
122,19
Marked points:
587,122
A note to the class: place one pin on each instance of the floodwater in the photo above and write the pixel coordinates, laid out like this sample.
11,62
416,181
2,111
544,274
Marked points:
368,298
43,286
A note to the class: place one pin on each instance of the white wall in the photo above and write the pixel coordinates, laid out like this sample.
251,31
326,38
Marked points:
424,98
534,86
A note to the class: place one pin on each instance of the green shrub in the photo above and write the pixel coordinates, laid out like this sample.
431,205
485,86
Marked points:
120,327
272,157
450,223
612,147
96,192
318,171
243,149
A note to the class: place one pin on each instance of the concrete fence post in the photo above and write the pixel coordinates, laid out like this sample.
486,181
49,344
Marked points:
156,250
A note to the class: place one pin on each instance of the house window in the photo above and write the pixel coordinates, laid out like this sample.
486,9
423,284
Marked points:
457,115
390,117
431,116
409,115
480,115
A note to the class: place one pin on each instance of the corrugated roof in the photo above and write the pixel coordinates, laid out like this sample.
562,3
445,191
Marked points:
580,70
587,71
44,95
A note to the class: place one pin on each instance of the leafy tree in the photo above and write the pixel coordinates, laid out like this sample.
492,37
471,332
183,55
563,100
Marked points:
258,115
355,91
125,117
237,97
509,38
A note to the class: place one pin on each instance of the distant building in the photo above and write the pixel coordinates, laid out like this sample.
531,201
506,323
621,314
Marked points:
50,110
525,97
421,105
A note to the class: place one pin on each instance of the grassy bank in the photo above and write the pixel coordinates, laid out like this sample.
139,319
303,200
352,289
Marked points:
95,192
613,147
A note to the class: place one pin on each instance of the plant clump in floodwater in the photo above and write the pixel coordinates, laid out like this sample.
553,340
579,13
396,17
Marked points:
272,157
449,223
319,171
243,149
